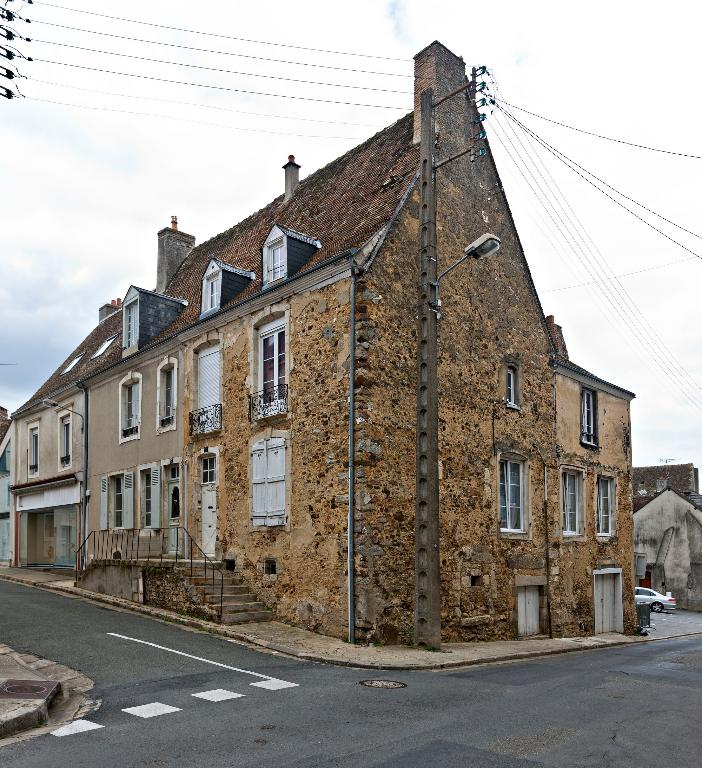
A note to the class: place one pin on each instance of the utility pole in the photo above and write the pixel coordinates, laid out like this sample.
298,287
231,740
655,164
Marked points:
427,598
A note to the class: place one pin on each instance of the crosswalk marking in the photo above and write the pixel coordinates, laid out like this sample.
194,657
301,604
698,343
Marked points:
274,685
77,726
151,710
218,694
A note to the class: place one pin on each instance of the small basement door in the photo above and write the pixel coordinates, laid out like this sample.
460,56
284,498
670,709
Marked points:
609,615
528,611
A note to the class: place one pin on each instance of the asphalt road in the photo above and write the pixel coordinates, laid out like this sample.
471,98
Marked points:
632,706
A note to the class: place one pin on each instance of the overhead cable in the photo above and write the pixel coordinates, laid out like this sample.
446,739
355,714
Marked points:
223,53
218,69
220,35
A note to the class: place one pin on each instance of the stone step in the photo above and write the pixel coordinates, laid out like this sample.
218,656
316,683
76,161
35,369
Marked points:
246,616
231,600
253,605
229,589
228,581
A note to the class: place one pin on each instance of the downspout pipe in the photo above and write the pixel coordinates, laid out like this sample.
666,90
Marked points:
84,505
350,565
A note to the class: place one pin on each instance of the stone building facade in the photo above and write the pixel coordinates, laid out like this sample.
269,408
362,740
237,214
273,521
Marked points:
534,451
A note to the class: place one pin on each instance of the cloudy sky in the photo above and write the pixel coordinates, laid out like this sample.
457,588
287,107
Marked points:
93,163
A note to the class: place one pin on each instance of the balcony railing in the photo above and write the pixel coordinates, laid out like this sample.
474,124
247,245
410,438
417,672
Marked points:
268,402
33,468
166,421
206,419
66,460
128,431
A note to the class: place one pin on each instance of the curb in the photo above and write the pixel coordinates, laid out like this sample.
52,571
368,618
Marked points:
257,642
24,719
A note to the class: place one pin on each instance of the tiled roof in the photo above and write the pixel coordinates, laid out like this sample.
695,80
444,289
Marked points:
679,477
564,362
343,205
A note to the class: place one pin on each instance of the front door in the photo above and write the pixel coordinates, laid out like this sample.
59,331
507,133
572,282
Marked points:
209,518
175,542
608,603
528,611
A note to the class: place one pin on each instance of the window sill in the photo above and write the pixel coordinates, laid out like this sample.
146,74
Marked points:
573,536
513,406
590,446
605,537
128,438
506,533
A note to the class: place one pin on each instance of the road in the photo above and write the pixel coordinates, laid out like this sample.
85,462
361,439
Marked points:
631,706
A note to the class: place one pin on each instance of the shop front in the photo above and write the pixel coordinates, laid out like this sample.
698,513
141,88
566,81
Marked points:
48,523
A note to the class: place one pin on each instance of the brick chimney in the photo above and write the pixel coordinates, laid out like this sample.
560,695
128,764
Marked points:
441,70
173,247
109,309
556,333
292,177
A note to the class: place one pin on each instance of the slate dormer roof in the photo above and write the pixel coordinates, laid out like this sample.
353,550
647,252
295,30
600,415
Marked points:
156,312
341,207
299,236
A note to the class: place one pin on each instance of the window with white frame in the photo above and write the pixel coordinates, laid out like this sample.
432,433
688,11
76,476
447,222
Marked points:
588,417
511,394
167,391
275,265
511,496
65,440
272,370
130,407
209,470
118,501
130,332
268,481
33,450
146,508
572,503
605,506
121,493
211,288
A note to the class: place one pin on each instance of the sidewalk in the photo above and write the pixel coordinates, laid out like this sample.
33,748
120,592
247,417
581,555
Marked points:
22,713
300,643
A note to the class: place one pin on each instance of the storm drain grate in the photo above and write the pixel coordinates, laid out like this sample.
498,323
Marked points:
29,689
383,684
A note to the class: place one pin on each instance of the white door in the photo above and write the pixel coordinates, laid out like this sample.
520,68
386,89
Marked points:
209,518
528,611
608,608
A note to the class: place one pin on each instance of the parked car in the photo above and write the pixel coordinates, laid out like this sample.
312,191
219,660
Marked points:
657,601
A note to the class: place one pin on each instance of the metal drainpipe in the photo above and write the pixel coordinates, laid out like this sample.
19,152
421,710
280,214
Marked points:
548,554
84,510
352,456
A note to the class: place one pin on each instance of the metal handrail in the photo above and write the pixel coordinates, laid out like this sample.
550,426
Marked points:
127,543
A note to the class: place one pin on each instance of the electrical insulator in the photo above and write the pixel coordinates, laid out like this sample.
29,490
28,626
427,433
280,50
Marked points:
481,87
6,53
482,117
6,92
481,102
8,73
7,33
7,15
480,71
481,135
482,152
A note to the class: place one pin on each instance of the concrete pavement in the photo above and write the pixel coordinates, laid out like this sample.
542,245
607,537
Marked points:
176,697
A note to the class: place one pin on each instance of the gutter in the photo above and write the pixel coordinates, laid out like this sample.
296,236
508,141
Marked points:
350,525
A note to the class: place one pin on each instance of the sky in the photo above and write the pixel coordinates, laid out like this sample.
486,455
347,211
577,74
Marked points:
95,163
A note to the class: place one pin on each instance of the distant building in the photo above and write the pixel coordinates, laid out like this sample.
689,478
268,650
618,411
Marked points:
5,496
648,481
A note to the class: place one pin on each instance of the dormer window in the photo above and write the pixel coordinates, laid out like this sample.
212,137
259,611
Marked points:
131,324
212,288
221,283
286,252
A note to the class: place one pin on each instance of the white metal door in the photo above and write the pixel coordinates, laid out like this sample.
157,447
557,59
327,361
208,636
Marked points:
606,603
528,610
209,518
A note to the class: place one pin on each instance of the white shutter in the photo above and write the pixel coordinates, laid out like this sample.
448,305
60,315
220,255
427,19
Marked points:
128,500
258,463
155,496
103,502
208,377
275,477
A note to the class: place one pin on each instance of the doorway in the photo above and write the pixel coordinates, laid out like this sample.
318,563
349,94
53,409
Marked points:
528,602
607,587
209,504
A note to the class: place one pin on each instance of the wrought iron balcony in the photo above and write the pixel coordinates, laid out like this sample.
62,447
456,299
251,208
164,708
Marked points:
206,419
66,460
166,421
33,468
268,402
128,431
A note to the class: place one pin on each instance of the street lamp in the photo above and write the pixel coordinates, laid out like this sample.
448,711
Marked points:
84,503
481,248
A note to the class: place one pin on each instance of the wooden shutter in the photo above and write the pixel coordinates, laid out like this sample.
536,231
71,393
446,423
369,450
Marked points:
208,377
103,502
258,464
155,496
128,500
275,481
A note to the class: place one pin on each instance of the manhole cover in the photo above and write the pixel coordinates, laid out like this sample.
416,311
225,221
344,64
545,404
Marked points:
29,689
383,684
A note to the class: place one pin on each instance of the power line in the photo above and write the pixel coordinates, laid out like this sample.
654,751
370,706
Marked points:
218,69
567,162
187,120
682,379
203,106
220,52
600,136
219,35
216,87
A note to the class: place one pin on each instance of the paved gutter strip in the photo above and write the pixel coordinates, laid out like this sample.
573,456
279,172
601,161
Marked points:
570,644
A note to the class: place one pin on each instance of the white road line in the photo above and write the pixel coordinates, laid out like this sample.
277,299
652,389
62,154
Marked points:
151,710
190,656
77,726
274,685
218,694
